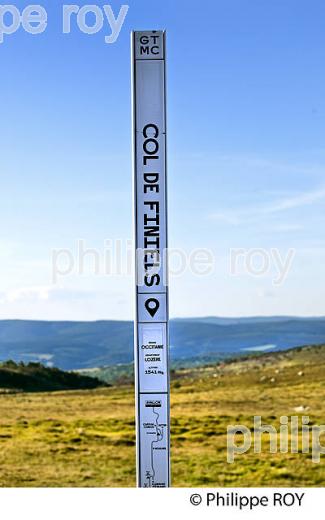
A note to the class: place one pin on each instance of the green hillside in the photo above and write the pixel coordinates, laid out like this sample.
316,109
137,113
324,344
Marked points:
124,373
34,377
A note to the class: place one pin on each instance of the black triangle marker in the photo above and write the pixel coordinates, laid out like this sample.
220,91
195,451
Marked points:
152,306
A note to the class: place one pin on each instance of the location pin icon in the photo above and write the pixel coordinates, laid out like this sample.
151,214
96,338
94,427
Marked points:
152,306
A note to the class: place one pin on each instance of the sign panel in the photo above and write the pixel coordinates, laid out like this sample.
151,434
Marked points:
153,441
151,324
153,357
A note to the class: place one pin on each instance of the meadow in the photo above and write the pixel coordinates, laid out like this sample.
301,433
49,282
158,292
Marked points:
86,437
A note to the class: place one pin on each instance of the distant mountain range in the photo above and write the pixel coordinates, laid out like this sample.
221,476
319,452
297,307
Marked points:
78,345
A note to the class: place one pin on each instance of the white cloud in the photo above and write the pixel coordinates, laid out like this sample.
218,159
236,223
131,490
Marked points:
227,218
302,199
253,213
28,294
45,293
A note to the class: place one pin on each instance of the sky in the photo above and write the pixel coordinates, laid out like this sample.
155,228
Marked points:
246,161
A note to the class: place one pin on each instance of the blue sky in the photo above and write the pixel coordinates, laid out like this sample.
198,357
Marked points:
246,114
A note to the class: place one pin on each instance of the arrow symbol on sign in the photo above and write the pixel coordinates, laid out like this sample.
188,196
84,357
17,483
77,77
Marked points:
152,306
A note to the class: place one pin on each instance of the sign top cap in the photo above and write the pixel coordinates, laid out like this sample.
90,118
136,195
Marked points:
149,45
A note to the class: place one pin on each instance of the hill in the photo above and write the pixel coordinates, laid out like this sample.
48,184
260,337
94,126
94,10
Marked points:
87,438
77,345
124,374
34,377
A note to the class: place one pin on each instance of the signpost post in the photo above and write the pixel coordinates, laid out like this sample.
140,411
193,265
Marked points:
151,324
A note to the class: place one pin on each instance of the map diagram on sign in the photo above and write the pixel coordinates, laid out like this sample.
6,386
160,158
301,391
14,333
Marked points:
153,429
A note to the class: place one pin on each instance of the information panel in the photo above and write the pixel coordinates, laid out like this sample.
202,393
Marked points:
151,324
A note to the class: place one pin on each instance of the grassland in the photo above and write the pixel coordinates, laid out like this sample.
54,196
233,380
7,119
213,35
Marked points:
86,438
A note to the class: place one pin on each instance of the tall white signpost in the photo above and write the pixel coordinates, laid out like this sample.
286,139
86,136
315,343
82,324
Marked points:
151,324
